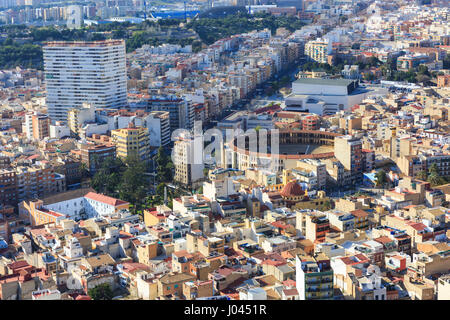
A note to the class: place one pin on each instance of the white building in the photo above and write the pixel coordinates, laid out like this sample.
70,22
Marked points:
220,188
46,294
253,293
187,156
73,252
59,130
325,96
91,205
77,72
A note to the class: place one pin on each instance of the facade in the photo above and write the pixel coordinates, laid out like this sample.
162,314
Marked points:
318,50
313,225
348,150
181,112
76,117
132,142
94,155
159,128
75,205
443,80
188,165
8,189
325,96
156,122
314,277
78,72
37,126
37,181
405,63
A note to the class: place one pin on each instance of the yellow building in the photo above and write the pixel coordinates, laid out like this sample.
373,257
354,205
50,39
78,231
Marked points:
132,142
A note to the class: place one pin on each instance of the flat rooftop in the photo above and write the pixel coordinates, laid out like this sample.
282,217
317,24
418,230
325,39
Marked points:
104,43
325,82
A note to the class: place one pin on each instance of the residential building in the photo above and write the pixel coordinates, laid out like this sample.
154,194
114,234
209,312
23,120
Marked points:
132,142
314,277
78,72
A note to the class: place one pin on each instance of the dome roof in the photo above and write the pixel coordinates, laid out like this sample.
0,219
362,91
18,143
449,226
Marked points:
292,189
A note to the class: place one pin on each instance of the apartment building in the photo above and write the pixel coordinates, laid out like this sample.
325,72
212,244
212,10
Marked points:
404,63
187,161
37,181
348,150
156,122
158,126
318,50
314,277
313,225
181,112
8,186
78,116
311,167
78,72
132,142
36,126
94,155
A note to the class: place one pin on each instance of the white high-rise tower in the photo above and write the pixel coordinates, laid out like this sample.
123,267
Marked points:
77,72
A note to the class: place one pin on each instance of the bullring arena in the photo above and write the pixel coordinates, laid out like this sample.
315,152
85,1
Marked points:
293,145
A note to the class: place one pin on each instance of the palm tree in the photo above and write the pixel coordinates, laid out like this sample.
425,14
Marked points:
433,169
83,170
435,179
422,175
381,178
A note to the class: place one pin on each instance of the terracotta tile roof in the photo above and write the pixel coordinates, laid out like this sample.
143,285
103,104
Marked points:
289,283
104,199
359,213
290,292
18,265
383,240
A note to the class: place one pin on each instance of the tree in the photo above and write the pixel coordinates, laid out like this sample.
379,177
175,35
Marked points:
434,176
160,189
381,178
108,176
422,78
133,185
83,170
101,292
433,169
164,166
422,175
435,179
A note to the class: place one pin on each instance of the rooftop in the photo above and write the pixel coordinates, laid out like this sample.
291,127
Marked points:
325,82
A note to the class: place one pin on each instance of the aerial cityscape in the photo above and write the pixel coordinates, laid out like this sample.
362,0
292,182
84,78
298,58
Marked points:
224,150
